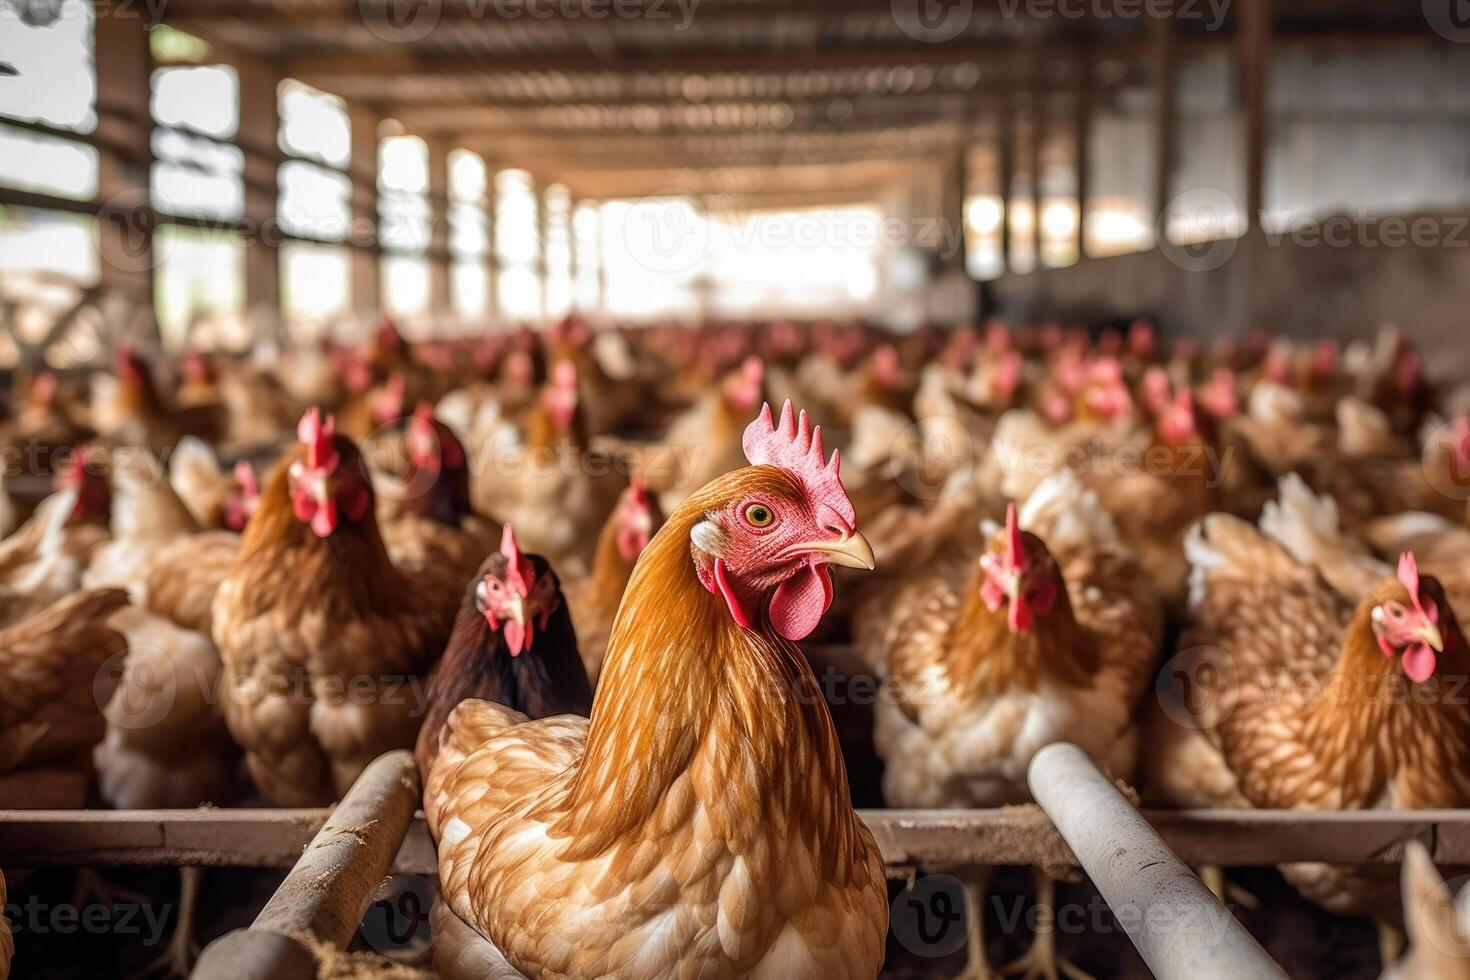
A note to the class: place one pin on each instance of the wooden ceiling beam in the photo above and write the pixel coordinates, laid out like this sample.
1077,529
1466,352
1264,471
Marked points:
396,61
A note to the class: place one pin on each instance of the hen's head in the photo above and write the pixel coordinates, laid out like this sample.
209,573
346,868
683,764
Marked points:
771,529
128,366
241,497
1219,396
1412,620
1019,574
516,593
86,471
1180,421
637,517
327,481
742,387
560,396
432,446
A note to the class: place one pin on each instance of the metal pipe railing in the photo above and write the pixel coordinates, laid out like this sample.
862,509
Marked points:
323,898
1180,929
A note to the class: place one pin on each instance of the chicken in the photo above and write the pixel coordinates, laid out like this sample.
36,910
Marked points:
44,558
690,828
52,673
594,600
129,410
1050,636
430,496
556,487
704,441
166,745
1437,921
325,638
215,498
46,420
7,944
513,643
1325,700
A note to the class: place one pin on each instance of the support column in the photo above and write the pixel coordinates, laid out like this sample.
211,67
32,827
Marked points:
492,257
1038,132
125,221
259,127
1255,53
953,209
1006,123
1081,137
1162,61
367,283
542,266
599,253
441,304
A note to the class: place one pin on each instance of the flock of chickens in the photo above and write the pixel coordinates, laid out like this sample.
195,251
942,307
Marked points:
255,574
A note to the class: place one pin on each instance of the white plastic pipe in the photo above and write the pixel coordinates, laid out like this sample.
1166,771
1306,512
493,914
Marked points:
1180,929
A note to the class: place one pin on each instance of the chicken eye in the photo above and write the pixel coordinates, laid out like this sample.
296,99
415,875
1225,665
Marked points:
759,515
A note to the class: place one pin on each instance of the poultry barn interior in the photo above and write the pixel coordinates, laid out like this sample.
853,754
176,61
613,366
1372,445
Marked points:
734,488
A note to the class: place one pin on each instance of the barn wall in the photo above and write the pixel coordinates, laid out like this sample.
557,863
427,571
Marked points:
1284,283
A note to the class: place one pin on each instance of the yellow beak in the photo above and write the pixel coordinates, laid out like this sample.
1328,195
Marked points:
518,611
1431,635
850,551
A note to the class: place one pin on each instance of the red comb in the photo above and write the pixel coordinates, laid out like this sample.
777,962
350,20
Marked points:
245,476
76,468
1015,553
795,445
1409,576
1156,388
518,572
317,435
564,375
754,369
639,488
1141,338
1178,421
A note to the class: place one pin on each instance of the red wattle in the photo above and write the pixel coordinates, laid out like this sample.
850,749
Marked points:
1419,663
799,602
515,637
727,589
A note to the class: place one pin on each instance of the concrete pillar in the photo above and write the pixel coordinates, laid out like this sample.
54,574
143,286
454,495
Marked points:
1006,126
953,210
599,259
492,258
367,285
1161,29
543,267
1038,134
1255,53
259,128
441,304
1081,136
125,221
